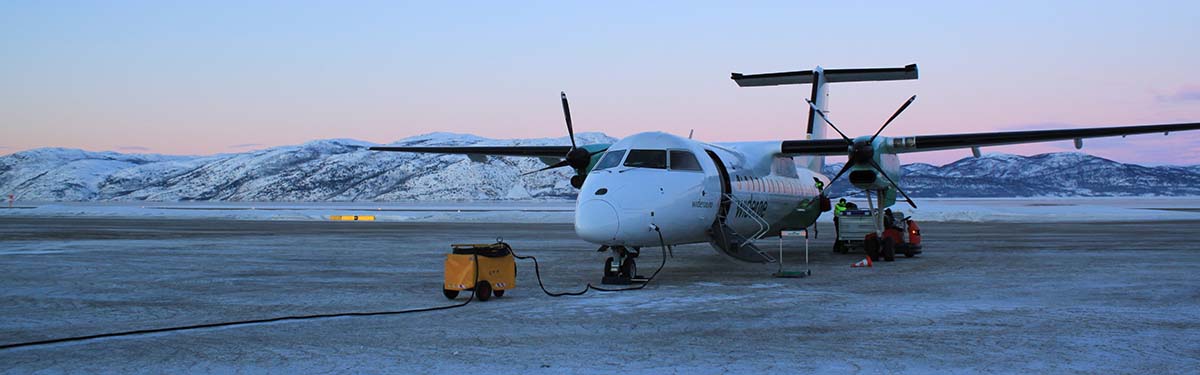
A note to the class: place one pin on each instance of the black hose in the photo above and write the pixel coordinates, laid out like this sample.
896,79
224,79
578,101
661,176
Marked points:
536,268
538,272
243,322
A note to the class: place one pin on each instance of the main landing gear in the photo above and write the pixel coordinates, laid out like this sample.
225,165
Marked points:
621,269
885,250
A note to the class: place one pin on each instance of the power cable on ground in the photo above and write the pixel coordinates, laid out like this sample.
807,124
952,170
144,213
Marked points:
536,268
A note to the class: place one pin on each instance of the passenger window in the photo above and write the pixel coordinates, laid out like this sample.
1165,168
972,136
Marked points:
684,161
610,159
647,159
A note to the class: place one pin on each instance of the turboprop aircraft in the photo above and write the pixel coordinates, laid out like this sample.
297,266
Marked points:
654,188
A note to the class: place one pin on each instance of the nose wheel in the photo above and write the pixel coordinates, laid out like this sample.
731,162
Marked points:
621,268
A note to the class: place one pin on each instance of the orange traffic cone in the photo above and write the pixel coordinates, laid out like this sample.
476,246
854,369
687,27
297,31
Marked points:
862,263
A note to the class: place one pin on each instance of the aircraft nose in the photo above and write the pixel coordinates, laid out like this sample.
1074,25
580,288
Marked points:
596,221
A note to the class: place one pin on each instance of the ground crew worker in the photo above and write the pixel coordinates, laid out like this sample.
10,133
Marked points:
889,220
837,211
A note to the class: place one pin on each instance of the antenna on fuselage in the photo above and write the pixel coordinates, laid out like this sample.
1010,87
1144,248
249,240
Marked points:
690,133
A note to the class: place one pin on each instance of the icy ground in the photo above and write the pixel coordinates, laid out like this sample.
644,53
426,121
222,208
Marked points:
1028,210
1112,297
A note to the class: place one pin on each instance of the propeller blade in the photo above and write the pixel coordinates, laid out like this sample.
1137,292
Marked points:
560,164
849,163
822,115
885,176
567,114
889,120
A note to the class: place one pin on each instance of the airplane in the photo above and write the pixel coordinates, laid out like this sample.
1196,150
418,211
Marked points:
654,188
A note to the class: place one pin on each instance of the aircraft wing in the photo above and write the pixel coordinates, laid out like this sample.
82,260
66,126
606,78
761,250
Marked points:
533,151
936,142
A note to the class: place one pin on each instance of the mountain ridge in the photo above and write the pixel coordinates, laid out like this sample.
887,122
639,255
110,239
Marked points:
1062,174
343,170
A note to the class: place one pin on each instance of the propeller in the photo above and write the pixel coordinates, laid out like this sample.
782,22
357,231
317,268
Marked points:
863,151
567,115
552,166
889,179
889,120
577,158
566,162
826,119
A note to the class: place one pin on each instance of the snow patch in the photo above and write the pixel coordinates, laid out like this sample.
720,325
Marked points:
518,191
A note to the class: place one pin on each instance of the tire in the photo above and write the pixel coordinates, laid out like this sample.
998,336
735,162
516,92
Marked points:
889,250
450,294
483,291
608,267
909,252
498,293
871,246
629,267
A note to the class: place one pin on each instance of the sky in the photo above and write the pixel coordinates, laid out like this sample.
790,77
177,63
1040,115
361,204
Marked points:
207,77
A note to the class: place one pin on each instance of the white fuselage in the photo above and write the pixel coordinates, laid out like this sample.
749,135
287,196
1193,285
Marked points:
652,181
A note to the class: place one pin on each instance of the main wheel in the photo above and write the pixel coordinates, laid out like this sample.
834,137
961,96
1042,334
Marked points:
629,268
483,291
498,293
889,250
608,268
450,294
871,246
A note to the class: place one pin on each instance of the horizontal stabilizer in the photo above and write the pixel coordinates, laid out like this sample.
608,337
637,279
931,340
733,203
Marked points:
831,76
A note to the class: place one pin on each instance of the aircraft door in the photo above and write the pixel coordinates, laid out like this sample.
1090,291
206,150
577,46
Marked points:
723,211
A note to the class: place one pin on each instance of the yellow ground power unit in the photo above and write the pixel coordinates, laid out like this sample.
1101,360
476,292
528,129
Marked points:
497,270
352,217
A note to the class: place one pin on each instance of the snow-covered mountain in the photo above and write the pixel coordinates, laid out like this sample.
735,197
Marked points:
326,170
343,170
1057,174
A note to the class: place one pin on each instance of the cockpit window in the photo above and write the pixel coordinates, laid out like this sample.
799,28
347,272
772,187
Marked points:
647,159
611,159
684,161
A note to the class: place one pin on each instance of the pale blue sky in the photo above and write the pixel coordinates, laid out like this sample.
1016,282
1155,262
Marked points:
207,77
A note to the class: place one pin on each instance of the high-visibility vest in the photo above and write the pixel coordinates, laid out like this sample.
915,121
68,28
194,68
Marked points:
838,208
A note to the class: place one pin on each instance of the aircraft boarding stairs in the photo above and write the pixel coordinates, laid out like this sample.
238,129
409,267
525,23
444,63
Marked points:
733,244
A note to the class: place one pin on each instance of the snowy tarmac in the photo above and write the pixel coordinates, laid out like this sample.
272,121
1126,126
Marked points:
985,297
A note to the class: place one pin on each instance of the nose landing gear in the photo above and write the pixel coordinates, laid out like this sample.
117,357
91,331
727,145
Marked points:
621,269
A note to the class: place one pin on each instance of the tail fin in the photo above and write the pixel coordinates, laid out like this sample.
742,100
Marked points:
820,93
820,96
